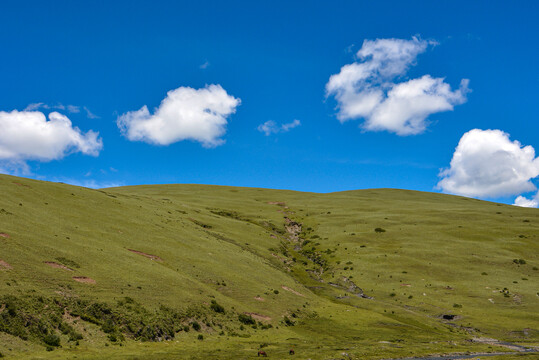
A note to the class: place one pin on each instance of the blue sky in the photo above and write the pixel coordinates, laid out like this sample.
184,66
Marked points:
271,61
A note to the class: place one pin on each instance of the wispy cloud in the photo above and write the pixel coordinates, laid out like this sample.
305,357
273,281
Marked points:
89,114
366,88
72,109
205,65
90,183
185,114
271,127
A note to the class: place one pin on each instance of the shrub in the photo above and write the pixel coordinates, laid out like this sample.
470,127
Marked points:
246,319
288,322
457,306
195,325
379,230
276,292
52,340
216,307
519,261
200,337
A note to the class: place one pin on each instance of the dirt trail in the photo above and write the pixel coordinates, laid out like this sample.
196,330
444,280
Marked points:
84,279
292,291
4,235
149,256
258,317
58,266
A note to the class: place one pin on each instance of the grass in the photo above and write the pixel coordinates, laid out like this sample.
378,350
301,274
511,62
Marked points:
213,255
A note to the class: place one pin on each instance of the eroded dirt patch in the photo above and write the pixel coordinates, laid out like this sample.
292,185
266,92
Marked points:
84,279
258,317
258,298
57,266
280,203
291,290
5,266
149,256
4,235
20,184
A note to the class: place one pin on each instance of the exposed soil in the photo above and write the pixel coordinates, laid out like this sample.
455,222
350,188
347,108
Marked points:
149,256
280,203
292,291
4,235
58,266
258,298
293,228
5,266
84,279
18,183
258,317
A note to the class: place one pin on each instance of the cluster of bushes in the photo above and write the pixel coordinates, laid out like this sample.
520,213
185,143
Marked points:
35,318
39,319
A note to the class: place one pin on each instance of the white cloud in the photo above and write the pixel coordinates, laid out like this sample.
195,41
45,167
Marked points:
73,109
366,88
486,163
89,114
27,135
92,184
205,65
185,114
270,127
525,202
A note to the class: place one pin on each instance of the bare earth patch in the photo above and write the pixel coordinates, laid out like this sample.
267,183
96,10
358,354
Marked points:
149,256
408,285
258,317
84,279
58,266
258,298
4,235
280,203
18,183
5,266
292,291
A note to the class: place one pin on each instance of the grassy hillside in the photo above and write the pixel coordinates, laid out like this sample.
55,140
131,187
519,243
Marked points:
194,271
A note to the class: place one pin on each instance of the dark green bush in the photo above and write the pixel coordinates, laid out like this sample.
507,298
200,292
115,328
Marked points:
379,230
200,337
288,322
216,307
52,340
246,319
195,325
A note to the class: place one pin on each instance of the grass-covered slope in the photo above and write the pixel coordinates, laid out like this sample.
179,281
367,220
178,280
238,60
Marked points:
113,272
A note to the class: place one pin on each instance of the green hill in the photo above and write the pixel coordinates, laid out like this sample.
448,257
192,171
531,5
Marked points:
196,271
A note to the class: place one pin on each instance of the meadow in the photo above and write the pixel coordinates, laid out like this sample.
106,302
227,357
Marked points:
215,272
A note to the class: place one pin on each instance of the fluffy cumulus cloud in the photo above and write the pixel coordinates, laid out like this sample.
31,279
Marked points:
185,114
486,163
525,202
28,135
271,127
367,88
